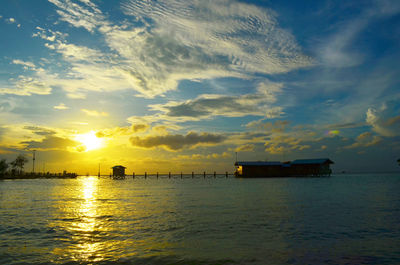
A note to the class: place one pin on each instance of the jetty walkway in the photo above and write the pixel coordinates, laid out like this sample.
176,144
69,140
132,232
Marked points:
170,175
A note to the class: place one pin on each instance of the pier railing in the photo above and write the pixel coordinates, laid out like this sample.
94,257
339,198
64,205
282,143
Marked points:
171,175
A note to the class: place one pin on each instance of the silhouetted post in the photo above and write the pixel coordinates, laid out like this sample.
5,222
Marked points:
145,175
33,162
192,174
226,174
110,175
133,175
204,174
181,175
157,174
215,174
169,174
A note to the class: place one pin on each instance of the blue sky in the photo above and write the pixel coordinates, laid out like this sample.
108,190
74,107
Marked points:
156,85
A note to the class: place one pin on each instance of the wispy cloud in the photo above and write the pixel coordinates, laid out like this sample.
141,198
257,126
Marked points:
382,122
245,148
365,139
339,50
26,65
181,40
87,16
61,106
94,113
40,130
26,86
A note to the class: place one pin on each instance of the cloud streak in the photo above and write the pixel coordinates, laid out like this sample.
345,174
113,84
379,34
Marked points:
94,113
175,142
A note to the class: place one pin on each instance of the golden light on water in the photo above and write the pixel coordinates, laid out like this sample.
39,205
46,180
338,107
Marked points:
88,247
90,141
88,221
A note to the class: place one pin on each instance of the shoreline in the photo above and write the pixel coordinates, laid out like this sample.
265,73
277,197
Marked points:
41,176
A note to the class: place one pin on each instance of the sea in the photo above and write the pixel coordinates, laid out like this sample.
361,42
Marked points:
342,219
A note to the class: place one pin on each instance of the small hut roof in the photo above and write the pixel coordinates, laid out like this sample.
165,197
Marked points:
119,166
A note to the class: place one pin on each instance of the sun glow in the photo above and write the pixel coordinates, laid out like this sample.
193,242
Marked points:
90,141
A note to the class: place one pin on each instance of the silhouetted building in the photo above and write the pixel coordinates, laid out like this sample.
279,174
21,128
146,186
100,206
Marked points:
118,172
296,168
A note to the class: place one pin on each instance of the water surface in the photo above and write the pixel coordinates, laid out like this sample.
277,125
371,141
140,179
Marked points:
344,219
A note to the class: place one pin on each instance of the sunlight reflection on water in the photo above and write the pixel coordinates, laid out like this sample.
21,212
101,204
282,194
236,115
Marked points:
80,218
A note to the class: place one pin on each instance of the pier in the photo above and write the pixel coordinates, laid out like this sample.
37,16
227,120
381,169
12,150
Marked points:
179,175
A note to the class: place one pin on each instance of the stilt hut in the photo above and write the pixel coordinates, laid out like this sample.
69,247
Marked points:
118,172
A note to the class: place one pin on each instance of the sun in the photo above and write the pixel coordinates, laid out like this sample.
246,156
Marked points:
90,141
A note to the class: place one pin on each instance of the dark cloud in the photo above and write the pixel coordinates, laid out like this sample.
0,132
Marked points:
348,125
201,107
50,142
277,126
140,127
39,130
205,106
177,141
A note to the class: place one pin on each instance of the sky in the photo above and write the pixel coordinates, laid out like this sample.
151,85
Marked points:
177,85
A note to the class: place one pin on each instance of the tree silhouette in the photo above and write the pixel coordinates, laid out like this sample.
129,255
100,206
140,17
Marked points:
3,167
19,163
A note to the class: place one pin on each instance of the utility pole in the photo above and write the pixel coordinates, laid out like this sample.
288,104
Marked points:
33,161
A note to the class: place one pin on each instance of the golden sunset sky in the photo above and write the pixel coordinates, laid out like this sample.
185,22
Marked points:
183,85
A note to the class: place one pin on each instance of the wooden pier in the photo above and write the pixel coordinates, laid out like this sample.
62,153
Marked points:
179,175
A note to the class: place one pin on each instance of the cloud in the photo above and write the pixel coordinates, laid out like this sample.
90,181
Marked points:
276,127
50,142
365,139
348,125
75,53
26,65
212,156
26,86
289,143
245,148
382,122
95,113
211,105
88,16
115,132
339,50
40,130
7,105
139,127
61,106
49,35
177,40
175,142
